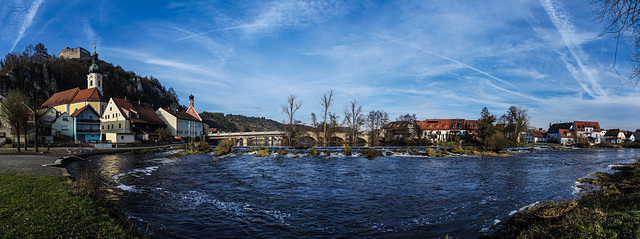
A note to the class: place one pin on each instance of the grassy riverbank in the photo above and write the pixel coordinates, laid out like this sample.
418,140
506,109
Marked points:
613,211
49,207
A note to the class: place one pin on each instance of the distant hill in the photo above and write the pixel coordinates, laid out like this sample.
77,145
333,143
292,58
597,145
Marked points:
40,75
237,123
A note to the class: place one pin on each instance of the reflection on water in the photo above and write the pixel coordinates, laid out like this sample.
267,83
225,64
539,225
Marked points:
202,196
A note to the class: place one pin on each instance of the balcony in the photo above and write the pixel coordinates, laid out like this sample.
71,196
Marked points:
88,120
88,130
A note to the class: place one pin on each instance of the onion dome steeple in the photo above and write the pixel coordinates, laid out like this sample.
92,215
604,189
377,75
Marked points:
94,68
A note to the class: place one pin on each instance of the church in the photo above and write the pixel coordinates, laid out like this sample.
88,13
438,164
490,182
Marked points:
69,101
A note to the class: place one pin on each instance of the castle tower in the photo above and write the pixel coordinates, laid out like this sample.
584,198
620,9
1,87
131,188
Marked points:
94,79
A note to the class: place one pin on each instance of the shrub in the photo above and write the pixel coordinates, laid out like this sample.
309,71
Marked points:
225,147
498,142
389,153
370,153
262,152
326,153
346,148
313,152
204,147
282,152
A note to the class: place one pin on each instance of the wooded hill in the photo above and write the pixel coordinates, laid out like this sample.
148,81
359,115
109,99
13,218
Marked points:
40,75
236,123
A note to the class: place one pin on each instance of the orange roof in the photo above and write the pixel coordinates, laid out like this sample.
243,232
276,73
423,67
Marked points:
145,114
181,115
60,98
445,124
91,94
580,125
538,133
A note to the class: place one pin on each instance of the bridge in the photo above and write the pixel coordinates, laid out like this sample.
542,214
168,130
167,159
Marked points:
307,136
246,136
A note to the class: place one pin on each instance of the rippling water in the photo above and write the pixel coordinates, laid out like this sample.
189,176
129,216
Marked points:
203,196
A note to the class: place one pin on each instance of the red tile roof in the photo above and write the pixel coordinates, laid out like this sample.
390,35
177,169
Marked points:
144,113
538,133
91,94
447,124
181,115
581,125
60,98
565,133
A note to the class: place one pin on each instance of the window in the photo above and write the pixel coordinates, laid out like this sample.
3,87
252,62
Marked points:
90,83
65,118
65,127
103,127
93,136
119,126
121,137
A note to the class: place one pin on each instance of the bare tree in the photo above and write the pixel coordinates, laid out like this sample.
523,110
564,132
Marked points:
14,113
353,119
290,109
326,103
622,19
516,120
376,119
333,126
317,126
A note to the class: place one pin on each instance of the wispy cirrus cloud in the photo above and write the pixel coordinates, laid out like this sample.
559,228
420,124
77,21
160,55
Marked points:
281,15
28,10
575,61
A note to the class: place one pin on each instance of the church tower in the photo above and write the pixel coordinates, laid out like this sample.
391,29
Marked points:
192,109
94,79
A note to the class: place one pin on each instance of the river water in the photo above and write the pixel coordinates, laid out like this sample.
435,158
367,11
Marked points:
238,195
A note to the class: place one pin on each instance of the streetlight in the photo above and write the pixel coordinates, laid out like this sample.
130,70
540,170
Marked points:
26,141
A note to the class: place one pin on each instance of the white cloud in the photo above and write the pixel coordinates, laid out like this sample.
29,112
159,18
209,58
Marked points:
29,12
582,73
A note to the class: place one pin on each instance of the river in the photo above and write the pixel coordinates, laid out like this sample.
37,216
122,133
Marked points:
293,196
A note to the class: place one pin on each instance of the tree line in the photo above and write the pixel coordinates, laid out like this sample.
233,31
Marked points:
492,131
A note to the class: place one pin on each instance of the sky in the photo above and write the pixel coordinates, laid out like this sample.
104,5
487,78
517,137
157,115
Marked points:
435,59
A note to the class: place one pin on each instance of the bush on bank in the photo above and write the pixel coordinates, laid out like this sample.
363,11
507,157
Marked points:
613,211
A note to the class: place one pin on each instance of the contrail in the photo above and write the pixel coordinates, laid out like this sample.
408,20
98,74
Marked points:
26,23
452,60
565,28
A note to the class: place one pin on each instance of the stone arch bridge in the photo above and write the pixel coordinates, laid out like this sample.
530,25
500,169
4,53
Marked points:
306,136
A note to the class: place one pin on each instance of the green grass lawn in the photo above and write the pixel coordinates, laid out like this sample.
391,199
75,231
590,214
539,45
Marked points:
46,207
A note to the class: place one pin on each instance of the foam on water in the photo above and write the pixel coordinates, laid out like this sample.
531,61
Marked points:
523,208
193,199
136,173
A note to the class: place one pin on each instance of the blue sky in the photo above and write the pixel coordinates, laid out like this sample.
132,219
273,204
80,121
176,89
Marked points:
435,59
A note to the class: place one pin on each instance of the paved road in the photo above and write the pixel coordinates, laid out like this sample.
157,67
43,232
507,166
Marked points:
29,164
12,162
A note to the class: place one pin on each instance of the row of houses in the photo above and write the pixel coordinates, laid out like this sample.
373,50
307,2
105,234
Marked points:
561,133
577,131
85,116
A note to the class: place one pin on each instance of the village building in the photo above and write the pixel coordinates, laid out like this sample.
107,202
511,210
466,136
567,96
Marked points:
615,136
447,129
86,125
125,121
533,136
74,99
62,127
183,126
590,130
